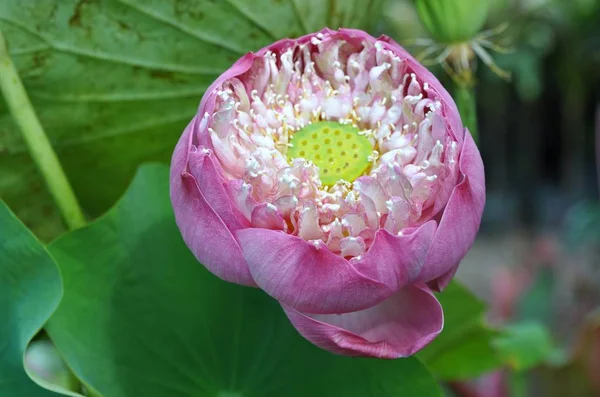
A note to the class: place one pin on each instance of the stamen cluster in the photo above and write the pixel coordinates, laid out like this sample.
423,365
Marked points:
358,83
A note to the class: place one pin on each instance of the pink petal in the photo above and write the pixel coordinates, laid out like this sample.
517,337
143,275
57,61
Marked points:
398,327
308,225
204,232
440,283
207,104
354,223
398,215
211,184
370,211
240,193
397,260
306,277
461,217
352,246
286,204
368,186
267,216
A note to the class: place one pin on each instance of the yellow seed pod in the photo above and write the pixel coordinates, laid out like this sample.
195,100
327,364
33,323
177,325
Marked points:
339,150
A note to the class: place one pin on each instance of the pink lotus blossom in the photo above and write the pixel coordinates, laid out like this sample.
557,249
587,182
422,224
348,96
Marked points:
333,172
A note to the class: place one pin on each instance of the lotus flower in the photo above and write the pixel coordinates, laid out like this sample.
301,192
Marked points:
333,172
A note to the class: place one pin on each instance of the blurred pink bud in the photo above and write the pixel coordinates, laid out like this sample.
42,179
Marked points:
333,171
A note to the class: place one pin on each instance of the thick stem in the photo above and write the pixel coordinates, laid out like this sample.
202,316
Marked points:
464,94
37,142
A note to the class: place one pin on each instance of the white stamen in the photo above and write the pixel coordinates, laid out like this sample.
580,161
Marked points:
252,132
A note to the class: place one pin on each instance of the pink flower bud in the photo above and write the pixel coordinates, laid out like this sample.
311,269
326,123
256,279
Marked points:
333,171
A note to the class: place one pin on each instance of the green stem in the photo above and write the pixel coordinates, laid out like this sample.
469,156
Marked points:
464,94
37,142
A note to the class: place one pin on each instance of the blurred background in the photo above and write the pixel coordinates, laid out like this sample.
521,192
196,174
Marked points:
537,257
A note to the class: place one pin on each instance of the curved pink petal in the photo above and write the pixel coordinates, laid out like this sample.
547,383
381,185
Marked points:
369,187
397,327
240,195
212,186
267,216
461,217
306,277
203,230
181,154
397,260
440,283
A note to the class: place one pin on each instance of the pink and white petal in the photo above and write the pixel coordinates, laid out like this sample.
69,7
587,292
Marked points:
370,211
397,260
267,216
211,184
439,284
307,277
308,223
400,326
335,235
398,215
205,233
352,246
241,66
461,217
240,194
181,154
448,184
450,111
286,204
368,186
354,223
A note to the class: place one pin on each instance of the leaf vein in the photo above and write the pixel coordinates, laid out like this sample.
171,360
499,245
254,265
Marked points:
243,11
206,38
117,96
103,56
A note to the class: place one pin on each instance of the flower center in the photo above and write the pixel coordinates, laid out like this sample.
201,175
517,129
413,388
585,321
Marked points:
339,150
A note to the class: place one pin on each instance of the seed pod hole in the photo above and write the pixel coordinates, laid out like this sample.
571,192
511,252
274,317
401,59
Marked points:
324,143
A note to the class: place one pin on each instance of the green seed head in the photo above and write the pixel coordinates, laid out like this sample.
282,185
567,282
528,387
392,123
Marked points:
453,21
339,150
